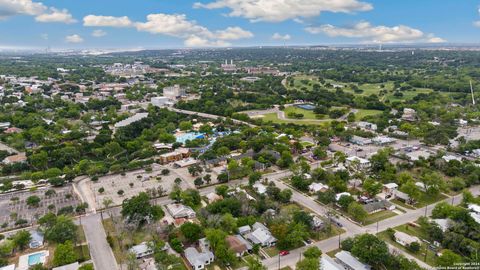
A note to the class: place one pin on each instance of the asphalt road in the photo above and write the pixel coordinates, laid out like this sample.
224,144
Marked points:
102,255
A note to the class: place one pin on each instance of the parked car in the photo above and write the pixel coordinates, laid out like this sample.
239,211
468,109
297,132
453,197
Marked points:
284,252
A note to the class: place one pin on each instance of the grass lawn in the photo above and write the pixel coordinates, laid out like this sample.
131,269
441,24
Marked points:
271,251
402,204
431,257
408,95
320,235
307,114
378,216
81,235
333,252
273,117
83,253
110,230
364,113
427,200
286,268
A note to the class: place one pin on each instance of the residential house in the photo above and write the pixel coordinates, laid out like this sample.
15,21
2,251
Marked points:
317,187
141,250
213,197
349,262
405,239
360,140
378,206
261,235
260,188
244,229
389,188
238,245
367,126
198,260
327,263
72,266
402,196
178,210
339,195
8,267
443,223
317,222
475,212
383,140
358,163
409,115
14,159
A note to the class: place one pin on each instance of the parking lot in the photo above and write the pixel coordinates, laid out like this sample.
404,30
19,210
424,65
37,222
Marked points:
13,206
134,182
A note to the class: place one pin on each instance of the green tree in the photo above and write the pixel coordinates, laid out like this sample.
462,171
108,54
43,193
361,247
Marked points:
372,187
254,264
448,258
191,231
357,212
64,254
22,239
139,210
59,229
312,252
308,264
33,201
371,250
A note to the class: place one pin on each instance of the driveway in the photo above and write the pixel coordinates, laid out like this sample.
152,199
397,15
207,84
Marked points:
102,255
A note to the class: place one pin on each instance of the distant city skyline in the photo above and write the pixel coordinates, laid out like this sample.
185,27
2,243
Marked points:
159,24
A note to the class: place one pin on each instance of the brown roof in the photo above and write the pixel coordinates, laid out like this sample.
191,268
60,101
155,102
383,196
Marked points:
17,158
235,244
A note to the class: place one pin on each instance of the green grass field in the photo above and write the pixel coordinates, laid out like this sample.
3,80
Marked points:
364,113
307,114
372,218
273,117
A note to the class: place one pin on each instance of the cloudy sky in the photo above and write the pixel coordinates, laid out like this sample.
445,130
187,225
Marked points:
219,23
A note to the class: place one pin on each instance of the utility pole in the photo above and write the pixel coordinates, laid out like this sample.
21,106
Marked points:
377,226
278,261
426,206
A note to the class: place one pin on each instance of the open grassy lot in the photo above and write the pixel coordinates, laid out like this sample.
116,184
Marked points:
274,118
372,218
364,113
307,114
427,200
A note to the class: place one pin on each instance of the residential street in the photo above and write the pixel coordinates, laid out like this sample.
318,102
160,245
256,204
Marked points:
102,255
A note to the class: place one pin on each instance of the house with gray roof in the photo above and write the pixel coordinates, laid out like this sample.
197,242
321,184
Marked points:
349,262
72,266
261,235
198,260
141,250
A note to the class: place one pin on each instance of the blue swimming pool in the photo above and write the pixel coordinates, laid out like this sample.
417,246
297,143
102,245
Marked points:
309,107
189,136
35,259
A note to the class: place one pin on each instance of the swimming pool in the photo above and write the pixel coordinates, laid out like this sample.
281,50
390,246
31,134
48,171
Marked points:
189,136
308,107
35,258
28,260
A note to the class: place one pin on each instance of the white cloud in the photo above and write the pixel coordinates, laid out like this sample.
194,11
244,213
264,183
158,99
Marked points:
9,8
278,36
107,21
281,10
99,33
44,36
74,39
476,23
233,33
56,15
42,13
378,34
196,41
175,25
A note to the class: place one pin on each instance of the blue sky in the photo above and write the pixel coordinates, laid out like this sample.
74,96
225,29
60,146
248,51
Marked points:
208,23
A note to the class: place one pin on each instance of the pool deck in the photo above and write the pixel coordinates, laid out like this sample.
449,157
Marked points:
23,260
